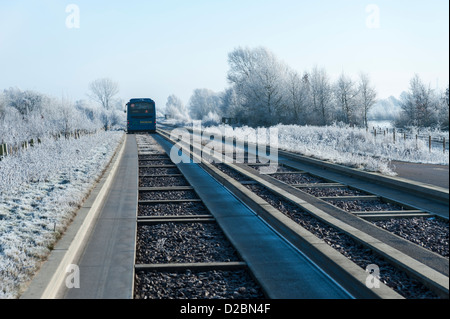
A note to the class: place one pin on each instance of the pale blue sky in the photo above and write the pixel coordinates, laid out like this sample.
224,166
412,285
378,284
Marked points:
157,48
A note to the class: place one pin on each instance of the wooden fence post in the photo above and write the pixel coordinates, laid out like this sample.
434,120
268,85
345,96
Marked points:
3,149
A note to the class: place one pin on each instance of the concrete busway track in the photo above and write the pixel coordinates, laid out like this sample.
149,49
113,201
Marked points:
282,271
178,239
343,271
430,268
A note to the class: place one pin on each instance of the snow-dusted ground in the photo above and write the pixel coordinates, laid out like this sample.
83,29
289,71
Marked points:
344,145
357,148
40,191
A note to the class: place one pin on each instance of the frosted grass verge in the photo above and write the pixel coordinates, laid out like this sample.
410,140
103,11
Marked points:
40,191
353,147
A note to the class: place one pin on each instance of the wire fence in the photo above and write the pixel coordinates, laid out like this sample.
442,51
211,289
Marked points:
398,135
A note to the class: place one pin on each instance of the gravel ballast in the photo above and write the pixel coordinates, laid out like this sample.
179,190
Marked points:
365,205
155,162
171,209
153,157
332,191
161,181
298,178
167,195
183,243
431,233
214,284
280,168
144,171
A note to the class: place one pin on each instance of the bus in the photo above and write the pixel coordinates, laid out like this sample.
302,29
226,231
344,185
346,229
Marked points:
141,115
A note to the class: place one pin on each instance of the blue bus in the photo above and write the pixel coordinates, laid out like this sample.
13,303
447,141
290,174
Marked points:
141,115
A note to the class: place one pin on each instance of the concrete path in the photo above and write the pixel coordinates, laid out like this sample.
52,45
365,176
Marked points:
107,263
437,175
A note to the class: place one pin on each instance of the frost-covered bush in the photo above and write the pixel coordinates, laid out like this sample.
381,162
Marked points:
211,119
349,146
175,109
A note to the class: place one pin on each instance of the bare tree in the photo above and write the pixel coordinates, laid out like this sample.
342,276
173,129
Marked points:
321,96
297,97
175,108
102,91
346,94
67,111
368,95
231,104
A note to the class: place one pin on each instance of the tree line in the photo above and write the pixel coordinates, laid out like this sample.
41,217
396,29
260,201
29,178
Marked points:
424,107
26,114
265,91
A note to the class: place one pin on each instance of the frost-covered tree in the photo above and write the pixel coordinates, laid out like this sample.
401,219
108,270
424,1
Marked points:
2,106
26,117
91,111
103,91
297,90
420,106
258,77
203,102
67,115
367,96
321,96
445,98
346,94
175,108
24,101
443,110
232,105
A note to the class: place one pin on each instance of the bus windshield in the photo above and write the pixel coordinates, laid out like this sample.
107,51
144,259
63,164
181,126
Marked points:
141,106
